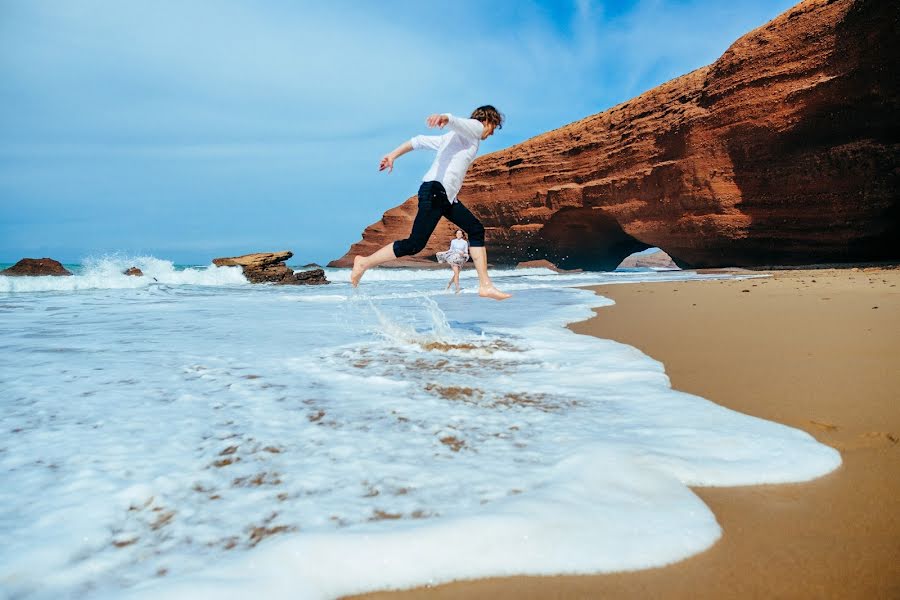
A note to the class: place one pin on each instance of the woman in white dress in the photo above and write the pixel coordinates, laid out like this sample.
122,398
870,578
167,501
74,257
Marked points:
456,257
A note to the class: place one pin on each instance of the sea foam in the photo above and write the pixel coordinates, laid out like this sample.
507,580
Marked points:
185,441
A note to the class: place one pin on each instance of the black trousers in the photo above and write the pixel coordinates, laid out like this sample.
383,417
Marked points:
434,204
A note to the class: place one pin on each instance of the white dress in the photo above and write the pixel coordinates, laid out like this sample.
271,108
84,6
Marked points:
457,255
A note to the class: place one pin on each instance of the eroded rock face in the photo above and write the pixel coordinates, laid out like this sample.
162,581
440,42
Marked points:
133,272
269,267
783,151
34,267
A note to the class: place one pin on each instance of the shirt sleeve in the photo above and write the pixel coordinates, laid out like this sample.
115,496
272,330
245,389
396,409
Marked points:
470,129
426,142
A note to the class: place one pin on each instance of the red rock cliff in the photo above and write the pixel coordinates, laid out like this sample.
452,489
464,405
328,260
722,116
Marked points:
783,151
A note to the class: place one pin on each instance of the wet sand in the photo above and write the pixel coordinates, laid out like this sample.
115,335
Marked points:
818,350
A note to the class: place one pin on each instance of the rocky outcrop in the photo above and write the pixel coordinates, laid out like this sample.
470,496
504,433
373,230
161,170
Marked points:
34,267
783,151
537,264
544,264
269,267
133,272
310,277
654,260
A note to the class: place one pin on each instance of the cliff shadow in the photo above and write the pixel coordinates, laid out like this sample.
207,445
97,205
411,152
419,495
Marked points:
584,238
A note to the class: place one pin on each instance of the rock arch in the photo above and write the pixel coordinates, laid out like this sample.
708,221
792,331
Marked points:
585,238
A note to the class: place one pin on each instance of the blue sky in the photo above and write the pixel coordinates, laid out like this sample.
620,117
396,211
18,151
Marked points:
190,129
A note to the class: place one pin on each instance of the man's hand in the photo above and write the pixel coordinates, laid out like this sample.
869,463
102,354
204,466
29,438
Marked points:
437,121
387,162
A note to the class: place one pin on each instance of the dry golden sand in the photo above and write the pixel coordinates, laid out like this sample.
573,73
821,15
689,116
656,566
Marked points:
804,348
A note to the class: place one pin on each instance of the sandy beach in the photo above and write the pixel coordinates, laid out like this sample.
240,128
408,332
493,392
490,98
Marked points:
813,349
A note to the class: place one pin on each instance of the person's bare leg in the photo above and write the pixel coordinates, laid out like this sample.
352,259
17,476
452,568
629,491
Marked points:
361,264
452,277
486,287
455,278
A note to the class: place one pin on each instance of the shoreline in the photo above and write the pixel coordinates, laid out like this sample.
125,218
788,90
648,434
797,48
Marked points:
806,348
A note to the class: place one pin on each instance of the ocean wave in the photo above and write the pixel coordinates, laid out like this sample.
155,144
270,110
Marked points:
108,272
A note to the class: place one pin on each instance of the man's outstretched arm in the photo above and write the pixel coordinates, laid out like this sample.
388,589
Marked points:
387,162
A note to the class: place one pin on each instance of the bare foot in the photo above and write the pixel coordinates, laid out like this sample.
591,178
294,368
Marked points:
492,292
357,272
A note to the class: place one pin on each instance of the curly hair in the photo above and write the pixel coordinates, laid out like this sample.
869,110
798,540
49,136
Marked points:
488,114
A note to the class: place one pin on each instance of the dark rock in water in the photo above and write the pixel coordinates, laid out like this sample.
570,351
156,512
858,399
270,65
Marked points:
134,272
545,264
311,277
269,267
537,264
33,267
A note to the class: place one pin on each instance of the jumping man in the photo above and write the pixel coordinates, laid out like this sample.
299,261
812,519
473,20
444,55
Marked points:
437,195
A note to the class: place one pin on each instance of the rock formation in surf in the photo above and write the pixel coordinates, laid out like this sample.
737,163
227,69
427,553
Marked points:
133,272
33,267
269,267
783,151
654,260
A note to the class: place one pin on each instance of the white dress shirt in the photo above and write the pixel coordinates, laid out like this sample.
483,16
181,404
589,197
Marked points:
455,152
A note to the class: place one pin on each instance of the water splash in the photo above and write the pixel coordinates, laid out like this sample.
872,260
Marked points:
392,330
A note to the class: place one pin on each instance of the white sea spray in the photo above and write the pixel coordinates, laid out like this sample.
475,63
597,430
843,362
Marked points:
108,272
